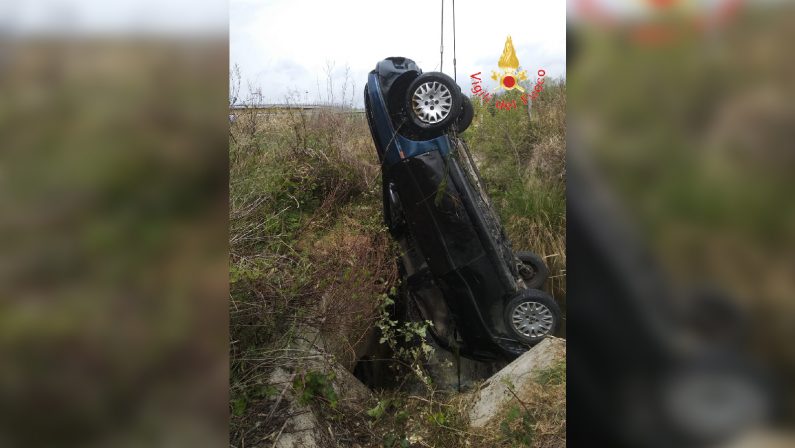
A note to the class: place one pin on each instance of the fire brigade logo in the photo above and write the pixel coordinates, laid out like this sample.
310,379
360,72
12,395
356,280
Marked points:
509,64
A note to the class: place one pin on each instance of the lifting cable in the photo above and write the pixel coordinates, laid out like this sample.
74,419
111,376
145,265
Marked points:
441,44
455,75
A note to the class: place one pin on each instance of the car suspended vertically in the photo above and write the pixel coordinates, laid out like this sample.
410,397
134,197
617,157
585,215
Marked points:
459,270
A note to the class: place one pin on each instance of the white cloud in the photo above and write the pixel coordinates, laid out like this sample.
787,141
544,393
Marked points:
284,45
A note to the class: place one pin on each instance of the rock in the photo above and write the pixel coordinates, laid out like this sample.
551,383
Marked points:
318,358
493,396
302,427
350,390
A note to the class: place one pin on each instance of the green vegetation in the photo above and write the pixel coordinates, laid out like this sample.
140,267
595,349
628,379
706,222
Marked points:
406,340
311,266
316,385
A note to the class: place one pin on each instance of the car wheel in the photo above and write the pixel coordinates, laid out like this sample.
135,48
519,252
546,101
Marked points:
532,315
533,270
433,103
466,116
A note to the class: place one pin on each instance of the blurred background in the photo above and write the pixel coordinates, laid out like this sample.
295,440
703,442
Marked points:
113,228
680,162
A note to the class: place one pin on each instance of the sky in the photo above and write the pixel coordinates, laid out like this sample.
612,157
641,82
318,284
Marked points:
284,46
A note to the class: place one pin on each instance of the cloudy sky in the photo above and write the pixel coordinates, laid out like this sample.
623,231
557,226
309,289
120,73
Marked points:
285,45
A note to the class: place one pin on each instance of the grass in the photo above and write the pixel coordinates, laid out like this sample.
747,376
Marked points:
311,260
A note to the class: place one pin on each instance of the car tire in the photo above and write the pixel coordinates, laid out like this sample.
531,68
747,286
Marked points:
532,315
533,270
433,103
466,116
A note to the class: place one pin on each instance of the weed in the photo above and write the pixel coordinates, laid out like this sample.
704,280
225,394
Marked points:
406,339
553,376
379,409
517,427
316,385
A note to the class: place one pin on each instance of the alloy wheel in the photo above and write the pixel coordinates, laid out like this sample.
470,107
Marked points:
432,102
532,319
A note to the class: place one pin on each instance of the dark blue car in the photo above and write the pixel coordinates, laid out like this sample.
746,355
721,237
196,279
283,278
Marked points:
459,270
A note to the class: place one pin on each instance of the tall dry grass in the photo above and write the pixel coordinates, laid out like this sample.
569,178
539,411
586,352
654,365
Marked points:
308,255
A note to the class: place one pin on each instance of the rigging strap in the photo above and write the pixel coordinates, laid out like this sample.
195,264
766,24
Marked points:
455,75
441,43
